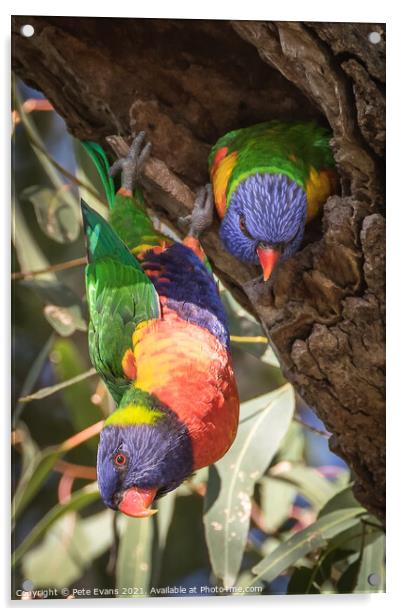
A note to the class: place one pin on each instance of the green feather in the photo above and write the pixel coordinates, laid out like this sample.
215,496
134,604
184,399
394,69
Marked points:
131,222
99,158
120,297
276,147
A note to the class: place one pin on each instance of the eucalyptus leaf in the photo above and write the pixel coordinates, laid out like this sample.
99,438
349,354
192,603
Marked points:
40,151
292,445
32,376
300,583
162,521
79,500
134,560
308,481
68,364
371,576
48,391
242,323
306,541
263,423
348,579
30,256
56,215
34,473
344,499
63,309
277,498
71,545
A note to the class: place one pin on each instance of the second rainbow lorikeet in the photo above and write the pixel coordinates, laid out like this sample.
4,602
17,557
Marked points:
269,180
158,336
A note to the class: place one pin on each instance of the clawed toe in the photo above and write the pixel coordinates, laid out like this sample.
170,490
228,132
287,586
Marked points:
132,165
202,214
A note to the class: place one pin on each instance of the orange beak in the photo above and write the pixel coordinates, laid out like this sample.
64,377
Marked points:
268,258
136,502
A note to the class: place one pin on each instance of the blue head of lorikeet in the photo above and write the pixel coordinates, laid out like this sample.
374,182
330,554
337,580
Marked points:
138,463
265,221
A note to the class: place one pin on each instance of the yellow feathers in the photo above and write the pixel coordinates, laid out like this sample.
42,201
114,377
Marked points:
319,187
133,414
220,178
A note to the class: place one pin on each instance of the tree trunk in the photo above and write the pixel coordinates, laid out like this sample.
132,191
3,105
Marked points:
189,82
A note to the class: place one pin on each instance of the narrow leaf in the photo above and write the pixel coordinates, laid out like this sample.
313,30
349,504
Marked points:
33,477
79,500
48,391
309,482
277,498
55,214
71,545
62,307
371,576
32,377
134,561
305,541
263,422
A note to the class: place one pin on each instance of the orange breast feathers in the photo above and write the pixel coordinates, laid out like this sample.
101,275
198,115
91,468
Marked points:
190,371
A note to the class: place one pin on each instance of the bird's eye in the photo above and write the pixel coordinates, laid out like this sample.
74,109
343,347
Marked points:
120,459
243,227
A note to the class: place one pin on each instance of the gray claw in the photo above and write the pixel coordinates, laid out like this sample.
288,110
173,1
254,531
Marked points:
132,165
203,211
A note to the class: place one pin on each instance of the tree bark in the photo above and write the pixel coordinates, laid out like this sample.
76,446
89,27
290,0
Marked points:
187,83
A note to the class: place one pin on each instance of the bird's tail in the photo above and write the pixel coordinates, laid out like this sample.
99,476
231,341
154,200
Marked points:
128,215
102,241
99,158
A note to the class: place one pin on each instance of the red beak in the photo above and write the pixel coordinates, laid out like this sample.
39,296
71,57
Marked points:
136,502
268,258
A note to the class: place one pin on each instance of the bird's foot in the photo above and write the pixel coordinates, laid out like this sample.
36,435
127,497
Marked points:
203,212
132,164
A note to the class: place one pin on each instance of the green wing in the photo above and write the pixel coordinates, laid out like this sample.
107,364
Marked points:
120,296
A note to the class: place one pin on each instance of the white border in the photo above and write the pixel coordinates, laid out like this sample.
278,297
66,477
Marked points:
341,10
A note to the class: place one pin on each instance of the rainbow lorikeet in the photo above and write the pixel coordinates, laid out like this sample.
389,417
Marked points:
158,336
268,181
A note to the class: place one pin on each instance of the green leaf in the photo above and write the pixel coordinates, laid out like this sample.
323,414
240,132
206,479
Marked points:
241,323
134,560
308,481
300,583
344,499
30,256
164,517
32,377
70,545
269,357
277,498
40,151
48,391
162,522
263,422
33,475
63,309
56,215
292,446
306,541
68,364
79,500
371,576
348,579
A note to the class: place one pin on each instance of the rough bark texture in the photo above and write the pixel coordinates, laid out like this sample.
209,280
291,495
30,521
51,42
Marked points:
187,83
